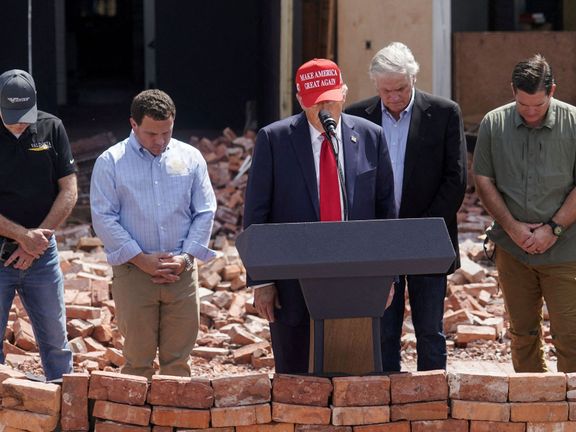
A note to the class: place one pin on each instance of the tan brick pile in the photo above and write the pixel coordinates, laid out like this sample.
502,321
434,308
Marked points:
232,335
231,331
419,401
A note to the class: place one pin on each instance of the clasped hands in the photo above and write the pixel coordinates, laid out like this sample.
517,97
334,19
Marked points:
31,245
533,238
164,268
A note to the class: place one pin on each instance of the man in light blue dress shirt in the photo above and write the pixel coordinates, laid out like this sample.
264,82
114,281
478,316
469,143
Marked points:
153,208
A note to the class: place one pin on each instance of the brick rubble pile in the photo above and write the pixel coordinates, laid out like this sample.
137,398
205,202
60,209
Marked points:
232,337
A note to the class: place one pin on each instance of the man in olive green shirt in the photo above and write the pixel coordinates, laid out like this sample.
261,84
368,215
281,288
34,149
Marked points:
524,165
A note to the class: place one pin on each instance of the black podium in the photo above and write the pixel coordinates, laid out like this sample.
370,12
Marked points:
345,269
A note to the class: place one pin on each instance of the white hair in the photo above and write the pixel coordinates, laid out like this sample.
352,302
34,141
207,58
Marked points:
394,58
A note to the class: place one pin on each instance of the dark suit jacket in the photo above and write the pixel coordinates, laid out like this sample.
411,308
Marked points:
435,163
282,185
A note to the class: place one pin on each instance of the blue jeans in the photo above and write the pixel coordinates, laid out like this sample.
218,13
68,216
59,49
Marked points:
41,289
426,294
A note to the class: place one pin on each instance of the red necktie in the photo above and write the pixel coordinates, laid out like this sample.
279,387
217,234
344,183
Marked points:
330,209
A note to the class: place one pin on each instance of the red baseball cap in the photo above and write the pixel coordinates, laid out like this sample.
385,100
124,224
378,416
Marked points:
319,80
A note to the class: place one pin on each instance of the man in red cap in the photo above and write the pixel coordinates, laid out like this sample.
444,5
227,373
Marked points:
296,176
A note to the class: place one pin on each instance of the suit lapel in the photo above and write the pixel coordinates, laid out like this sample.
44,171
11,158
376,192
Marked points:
415,135
350,147
300,139
374,111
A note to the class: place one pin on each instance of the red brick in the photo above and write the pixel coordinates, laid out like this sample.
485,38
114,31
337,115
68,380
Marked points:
241,390
110,426
271,427
454,318
539,412
440,426
180,417
304,414
551,427
342,416
301,390
74,414
114,356
418,387
321,428
472,410
241,416
24,336
79,328
262,362
361,391
162,429
181,392
571,381
214,429
8,372
82,312
572,412
41,398
537,387
102,333
107,410
468,333
481,388
437,410
115,387
27,421
491,426
390,427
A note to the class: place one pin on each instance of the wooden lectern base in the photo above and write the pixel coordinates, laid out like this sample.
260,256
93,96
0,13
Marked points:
347,346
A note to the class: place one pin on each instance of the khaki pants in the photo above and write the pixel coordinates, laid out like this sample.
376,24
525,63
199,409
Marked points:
152,316
524,286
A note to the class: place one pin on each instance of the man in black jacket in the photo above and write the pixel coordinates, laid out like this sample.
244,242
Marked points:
427,149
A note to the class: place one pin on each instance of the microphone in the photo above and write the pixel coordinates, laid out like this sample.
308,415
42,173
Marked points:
328,123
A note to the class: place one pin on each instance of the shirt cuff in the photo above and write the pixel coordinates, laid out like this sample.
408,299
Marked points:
128,251
201,252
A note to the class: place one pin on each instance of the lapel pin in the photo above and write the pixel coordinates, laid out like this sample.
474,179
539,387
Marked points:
353,138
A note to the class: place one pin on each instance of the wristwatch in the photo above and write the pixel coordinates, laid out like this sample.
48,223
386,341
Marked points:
189,262
557,229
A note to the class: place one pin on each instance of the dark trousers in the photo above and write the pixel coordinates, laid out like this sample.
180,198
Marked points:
426,295
291,346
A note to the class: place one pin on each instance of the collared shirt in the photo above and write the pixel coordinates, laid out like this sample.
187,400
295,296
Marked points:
317,137
146,203
396,133
30,167
533,169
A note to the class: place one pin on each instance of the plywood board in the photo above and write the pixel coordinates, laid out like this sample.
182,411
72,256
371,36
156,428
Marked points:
347,346
366,26
483,64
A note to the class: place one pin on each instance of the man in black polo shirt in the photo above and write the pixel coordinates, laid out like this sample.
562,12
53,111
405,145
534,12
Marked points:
37,193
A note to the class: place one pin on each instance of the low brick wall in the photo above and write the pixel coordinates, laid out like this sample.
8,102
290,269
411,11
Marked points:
404,402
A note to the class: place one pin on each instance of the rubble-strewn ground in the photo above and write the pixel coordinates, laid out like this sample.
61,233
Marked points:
232,338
